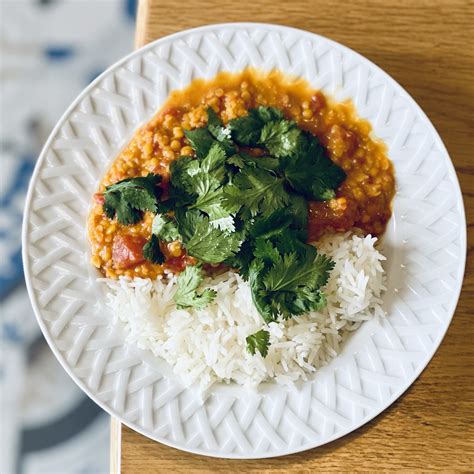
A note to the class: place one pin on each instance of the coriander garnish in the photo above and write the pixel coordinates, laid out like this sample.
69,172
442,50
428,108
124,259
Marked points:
248,212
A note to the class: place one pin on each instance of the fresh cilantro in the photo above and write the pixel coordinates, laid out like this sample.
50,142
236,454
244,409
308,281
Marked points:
298,208
129,198
180,192
165,228
211,201
215,125
251,212
246,130
179,175
186,295
219,132
266,251
197,183
236,160
291,272
260,297
187,173
281,138
268,114
206,179
260,341
201,141
242,259
151,250
305,299
204,241
264,162
293,240
293,284
214,162
273,224
311,173
255,191
266,126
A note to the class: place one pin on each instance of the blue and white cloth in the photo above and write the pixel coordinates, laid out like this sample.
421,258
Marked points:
49,51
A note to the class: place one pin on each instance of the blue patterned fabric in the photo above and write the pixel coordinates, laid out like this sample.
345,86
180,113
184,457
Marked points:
50,50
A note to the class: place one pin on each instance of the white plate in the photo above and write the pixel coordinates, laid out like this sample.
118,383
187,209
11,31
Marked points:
425,244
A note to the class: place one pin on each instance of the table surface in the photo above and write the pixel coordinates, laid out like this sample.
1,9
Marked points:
427,46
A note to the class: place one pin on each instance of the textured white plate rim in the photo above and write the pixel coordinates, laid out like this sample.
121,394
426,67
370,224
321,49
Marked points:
113,412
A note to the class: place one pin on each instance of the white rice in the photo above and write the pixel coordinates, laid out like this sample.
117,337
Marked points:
207,346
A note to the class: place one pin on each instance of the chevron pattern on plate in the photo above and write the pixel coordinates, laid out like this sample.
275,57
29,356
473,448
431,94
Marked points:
425,245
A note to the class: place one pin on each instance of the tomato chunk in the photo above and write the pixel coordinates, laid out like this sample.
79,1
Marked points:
99,198
127,250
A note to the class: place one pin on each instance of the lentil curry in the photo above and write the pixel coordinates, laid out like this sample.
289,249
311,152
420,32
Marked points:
363,200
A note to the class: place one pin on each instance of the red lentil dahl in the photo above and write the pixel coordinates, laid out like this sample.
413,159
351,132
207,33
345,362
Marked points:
363,200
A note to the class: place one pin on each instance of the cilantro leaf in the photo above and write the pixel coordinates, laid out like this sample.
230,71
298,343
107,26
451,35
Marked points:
165,228
214,161
291,240
194,182
260,297
187,222
290,304
264,162
255,191
130,197
242,259
293,284
207,177
266,251
273,224
287,284
219,132
186,295
268,114
201,140
236,160
114,204
215,125
152,251
281,138
140,198
180,192
298,208
291,272
204,241
211,201
311,173
246,130
260,341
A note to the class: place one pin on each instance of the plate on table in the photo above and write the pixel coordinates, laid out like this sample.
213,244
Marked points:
425,246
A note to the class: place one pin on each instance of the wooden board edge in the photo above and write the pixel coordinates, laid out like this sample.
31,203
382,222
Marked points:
141,30
115,446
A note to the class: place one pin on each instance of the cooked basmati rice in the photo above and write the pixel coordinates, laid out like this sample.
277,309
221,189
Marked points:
207,346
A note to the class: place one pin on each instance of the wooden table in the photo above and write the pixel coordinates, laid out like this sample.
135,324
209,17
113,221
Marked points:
427,46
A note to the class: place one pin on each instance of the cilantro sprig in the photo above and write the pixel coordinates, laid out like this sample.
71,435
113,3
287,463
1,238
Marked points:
202,240
165,228
129,198
152,250
186,295
258,342
246,210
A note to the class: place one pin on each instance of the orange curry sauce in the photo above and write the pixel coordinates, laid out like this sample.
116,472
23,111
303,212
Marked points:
363,200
